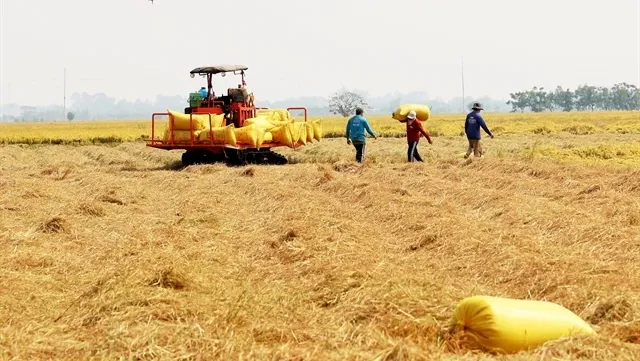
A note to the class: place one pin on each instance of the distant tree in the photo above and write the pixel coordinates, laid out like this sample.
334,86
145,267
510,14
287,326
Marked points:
539,99
586,97
625,96
519,101
70,116
604,100
345,103
563,99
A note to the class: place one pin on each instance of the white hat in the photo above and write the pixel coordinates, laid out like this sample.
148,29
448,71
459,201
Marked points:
411,115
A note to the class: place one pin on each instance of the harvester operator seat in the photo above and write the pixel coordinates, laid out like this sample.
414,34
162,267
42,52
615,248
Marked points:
236,95
240,94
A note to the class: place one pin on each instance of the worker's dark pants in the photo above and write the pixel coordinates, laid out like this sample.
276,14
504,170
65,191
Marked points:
412,152
360,148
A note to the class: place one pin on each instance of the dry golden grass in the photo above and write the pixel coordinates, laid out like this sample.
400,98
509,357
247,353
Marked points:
113,252
621,150
100,132
577,123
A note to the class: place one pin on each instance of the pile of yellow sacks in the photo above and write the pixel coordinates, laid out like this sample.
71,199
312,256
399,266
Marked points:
280,128
180,123
277,115
269,125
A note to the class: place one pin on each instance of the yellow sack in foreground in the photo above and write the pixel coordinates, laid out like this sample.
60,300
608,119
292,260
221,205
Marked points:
274,114
251,135
221,135
260,121
317,129
506,325
268,137
200,121
181,135
422,112
283,134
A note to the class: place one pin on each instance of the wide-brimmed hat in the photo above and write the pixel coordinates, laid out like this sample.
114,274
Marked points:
477,106
411,115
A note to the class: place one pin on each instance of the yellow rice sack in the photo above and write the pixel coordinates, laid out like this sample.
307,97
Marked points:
268,137
317,129
283,134
505,325
309,132
261,133
278,123
422,112
295,132
221,135
200,121
217,120
181,135
251,135
302,132
275,114
260,121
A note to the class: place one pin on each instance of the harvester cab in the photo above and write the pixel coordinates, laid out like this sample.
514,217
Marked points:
236,106
229,128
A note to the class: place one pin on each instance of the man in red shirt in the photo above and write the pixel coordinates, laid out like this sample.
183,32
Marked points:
414,131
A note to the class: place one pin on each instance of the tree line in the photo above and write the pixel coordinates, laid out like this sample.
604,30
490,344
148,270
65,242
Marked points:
85,106
621,96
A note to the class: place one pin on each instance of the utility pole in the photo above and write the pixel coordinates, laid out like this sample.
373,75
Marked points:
64,97
464,104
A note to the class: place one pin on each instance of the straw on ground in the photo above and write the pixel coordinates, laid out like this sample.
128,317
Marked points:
117,253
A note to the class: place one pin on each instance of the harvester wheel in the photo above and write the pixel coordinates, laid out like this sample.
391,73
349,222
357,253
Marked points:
241,157
265,156
235,157
255,157
187,159
199,156
275,158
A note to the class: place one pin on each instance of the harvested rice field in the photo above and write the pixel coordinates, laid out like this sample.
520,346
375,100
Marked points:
115,252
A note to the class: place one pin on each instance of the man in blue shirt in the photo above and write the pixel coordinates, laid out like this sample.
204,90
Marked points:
355,133
472,126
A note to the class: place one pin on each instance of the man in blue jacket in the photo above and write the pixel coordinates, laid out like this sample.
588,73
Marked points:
355,133
472,126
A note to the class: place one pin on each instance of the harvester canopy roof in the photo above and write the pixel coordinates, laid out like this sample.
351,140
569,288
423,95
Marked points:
224,68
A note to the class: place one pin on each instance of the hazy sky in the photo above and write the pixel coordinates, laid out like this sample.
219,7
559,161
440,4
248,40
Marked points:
134,49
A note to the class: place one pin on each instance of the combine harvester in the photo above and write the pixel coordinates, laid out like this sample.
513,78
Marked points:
229,128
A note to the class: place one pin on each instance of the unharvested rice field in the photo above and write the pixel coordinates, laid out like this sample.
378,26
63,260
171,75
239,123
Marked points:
101,132
115,252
